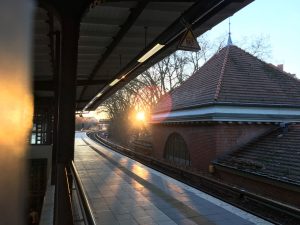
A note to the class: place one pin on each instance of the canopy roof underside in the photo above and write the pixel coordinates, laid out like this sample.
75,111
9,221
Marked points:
114,35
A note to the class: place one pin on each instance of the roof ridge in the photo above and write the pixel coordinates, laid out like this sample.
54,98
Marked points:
218,89
288,74
271,65
223,78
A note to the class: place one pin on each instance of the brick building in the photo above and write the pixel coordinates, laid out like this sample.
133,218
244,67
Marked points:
233,100
269,165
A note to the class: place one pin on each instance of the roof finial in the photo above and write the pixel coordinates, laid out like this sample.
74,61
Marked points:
229,41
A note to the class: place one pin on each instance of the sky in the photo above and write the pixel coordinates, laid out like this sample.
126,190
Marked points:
278,20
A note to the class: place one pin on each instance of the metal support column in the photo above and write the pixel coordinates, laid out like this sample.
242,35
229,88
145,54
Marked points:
55,122
66,116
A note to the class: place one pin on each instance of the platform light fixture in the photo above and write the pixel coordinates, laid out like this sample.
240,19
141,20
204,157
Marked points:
150,53
99,94
86,107
114,82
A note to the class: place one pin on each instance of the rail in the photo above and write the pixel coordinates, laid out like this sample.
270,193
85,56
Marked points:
271,210
86,211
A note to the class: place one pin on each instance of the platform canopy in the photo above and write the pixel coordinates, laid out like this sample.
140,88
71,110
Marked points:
113,38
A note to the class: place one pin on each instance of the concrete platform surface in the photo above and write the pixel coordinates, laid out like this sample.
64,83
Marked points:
124,192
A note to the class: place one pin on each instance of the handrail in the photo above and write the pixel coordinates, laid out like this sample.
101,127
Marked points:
86,206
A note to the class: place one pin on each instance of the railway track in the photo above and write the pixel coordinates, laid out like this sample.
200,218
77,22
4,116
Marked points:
268,209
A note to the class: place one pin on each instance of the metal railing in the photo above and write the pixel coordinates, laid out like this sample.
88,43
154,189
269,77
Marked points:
81,207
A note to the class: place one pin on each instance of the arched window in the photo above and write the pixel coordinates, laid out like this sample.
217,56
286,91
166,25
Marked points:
176,150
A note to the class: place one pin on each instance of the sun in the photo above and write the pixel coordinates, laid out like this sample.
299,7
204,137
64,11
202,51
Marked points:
140,116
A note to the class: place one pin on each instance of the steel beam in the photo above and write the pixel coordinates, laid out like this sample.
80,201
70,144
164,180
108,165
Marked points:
116,40
49,85
56,98
201,12
66,114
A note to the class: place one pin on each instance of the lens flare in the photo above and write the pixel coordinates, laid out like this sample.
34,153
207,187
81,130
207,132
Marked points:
140,116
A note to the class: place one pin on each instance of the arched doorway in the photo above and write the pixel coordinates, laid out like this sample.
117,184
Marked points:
176,150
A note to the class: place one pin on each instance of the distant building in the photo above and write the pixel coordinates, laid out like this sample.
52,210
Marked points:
86,123
104,124
231,101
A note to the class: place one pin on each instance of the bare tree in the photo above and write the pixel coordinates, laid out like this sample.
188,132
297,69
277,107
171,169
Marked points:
144,92
196,59
258,46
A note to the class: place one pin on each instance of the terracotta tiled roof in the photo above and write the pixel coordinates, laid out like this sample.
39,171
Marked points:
276,155
234,76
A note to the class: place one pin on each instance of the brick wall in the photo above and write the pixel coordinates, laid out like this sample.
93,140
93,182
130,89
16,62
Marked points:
199,141
206,141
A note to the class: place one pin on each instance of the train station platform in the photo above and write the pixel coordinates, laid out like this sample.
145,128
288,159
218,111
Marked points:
122,191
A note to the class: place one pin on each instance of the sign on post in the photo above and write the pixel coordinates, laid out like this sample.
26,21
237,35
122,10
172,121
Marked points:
188,42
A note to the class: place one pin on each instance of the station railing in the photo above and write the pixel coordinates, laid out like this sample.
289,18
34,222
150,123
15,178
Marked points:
71,203
80,200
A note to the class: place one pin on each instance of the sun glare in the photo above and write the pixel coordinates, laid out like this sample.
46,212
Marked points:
140,116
